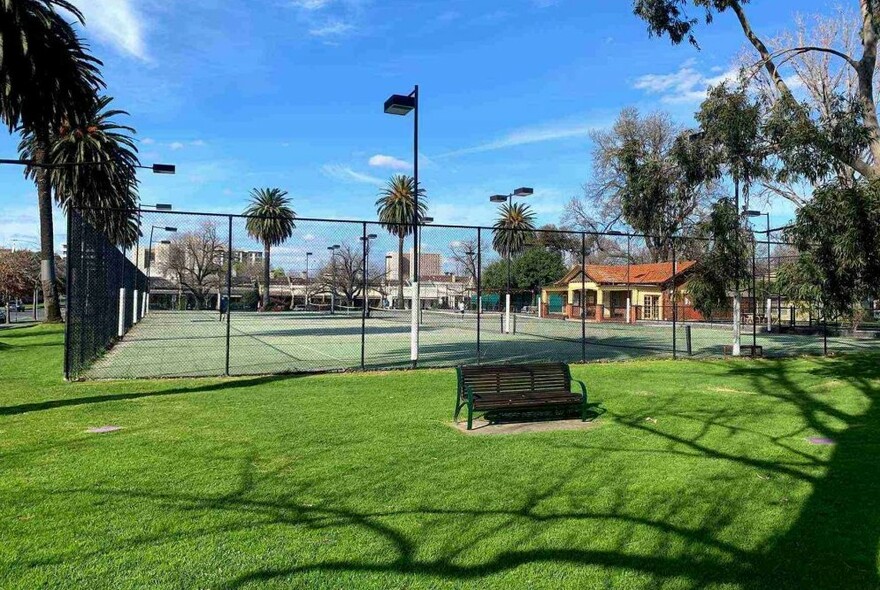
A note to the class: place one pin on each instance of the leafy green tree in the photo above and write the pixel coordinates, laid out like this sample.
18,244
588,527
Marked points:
837,235
47,77
537,267
723,265
94,163
270,221
395,207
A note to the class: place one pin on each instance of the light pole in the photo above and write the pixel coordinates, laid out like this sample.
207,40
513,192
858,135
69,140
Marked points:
333,250
473,270
149,255
306,297
522,191
402,104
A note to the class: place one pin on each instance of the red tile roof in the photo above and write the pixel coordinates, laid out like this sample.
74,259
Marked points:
654,273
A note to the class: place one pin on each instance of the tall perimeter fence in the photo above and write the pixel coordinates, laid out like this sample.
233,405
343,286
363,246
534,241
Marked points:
186,300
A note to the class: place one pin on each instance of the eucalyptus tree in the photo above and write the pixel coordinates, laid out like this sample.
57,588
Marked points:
47,77
395,208
730,146
637,183
270,220
810,142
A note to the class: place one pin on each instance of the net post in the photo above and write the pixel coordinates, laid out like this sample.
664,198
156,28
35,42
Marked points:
583,297
229,294
120,332
689,340
825,331
366,296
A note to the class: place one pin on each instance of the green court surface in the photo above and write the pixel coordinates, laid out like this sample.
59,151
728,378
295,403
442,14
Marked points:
193,343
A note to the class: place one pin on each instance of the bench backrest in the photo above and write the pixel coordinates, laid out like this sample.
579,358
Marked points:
490,380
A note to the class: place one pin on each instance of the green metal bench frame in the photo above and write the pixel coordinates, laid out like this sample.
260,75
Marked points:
534,398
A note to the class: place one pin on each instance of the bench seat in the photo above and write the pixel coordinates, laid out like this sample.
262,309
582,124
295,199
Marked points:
524,386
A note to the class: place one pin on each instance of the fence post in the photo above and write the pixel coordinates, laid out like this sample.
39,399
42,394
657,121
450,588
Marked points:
229,295
689,340
769,315
366,297
674,305
754,301
67,281
825,333
583,297
479,290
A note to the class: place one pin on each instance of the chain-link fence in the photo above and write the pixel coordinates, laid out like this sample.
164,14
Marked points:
189,299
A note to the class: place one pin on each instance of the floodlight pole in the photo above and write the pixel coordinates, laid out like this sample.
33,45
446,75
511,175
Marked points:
416,304
306,297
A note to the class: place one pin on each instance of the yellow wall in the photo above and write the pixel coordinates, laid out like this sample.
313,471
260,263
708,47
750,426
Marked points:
638,293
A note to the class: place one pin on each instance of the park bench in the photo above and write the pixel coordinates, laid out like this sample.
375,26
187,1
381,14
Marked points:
517,387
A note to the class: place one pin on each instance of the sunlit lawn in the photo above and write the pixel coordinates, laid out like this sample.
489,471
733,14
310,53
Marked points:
699,474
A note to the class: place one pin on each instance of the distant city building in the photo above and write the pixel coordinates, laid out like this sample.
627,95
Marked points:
430,264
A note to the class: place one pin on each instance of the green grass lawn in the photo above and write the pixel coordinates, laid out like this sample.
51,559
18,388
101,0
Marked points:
698,475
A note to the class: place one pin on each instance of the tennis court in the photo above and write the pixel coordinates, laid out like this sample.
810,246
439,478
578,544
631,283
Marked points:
194,343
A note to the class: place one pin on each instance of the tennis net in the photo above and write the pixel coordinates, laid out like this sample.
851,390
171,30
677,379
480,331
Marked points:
439,319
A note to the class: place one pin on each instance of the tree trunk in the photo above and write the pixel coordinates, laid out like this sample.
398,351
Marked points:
47,233
400,304
266,269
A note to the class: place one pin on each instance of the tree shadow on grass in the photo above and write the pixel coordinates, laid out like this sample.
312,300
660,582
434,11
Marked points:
406,548
217,386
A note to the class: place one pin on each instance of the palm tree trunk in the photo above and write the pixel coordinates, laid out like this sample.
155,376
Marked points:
400,273
47,233
266,278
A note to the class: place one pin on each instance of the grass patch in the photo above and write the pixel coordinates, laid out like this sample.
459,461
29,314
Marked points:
699,475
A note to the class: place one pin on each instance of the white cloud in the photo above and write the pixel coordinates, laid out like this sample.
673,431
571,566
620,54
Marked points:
383,161
198,143
148,141
331,28
526,135
346,174
117,23
685,85
176,145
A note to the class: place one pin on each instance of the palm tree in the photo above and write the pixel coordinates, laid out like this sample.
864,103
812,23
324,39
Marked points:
94,163
512,231
47,76
395,207
271,221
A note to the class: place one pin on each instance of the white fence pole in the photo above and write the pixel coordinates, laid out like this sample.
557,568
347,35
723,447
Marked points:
507,313
628,309
121,327
769,312
135,307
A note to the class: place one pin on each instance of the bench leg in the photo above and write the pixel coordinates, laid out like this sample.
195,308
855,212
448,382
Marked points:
584,411
470,416
458,407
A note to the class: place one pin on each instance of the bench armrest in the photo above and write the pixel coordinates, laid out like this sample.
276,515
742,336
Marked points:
470,395
583,388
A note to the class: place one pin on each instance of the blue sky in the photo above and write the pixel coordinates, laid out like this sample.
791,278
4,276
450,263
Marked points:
289,93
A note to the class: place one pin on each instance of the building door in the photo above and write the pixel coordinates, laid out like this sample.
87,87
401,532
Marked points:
652,307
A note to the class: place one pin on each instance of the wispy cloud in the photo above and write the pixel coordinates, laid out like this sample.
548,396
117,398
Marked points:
179,145
383,161
117,23
310,4
685,85
331,28
527,135
328,20
346,174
